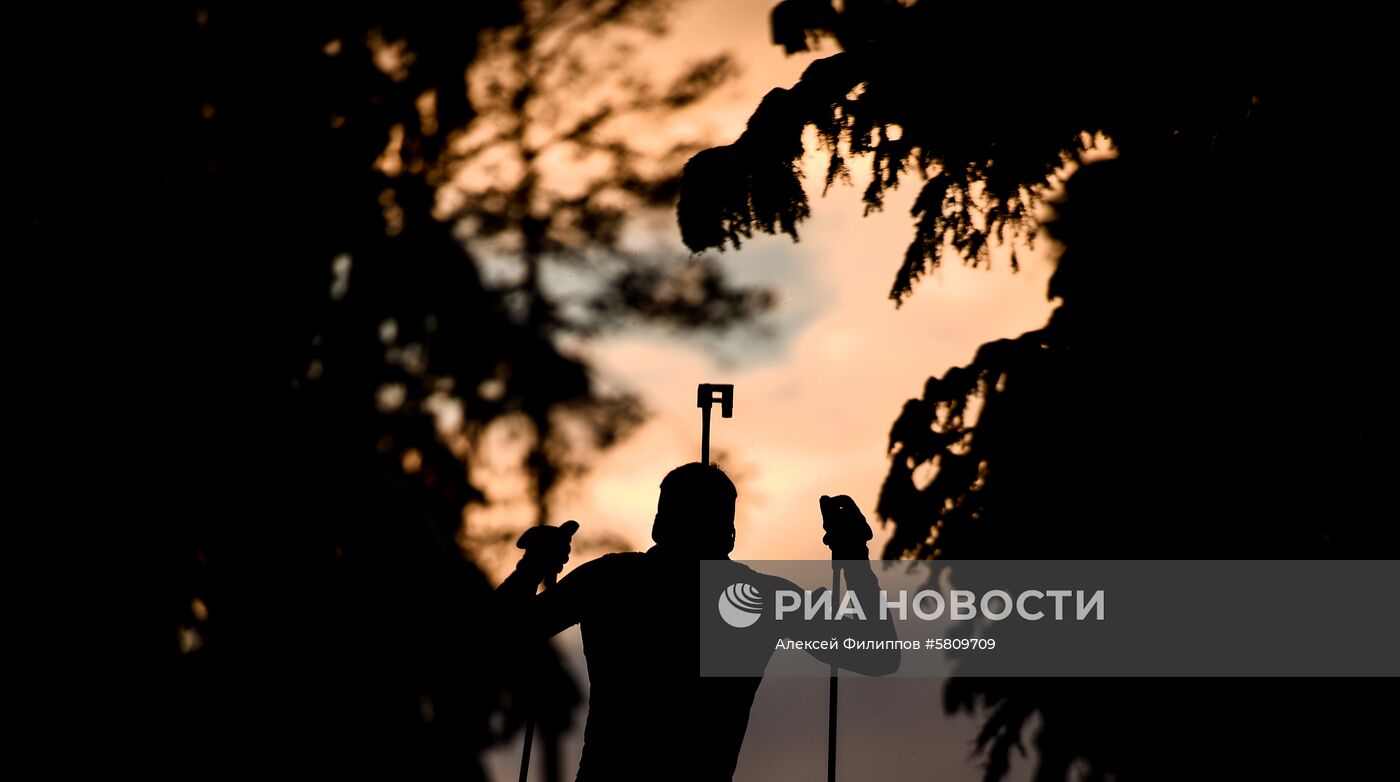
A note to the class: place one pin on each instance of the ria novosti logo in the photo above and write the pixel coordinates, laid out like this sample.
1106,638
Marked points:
740,605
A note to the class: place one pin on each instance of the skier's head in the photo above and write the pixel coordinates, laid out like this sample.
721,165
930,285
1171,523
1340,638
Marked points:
695,514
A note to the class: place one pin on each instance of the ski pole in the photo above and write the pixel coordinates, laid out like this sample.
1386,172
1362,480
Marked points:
831,698
530,723
569,527
705,397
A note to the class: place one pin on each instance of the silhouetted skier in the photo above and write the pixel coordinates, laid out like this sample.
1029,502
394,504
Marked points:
650,715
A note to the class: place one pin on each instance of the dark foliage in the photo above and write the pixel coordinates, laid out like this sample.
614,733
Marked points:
264,309
1016,101
1209,386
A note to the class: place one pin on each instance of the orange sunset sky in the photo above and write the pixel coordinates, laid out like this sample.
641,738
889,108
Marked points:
814,402
816,392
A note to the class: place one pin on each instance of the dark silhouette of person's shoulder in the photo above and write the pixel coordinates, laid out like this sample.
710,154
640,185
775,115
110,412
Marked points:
611,561
609,567
616,561
758,577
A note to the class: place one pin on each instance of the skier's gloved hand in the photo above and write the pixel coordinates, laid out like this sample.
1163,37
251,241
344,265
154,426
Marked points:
546,548
847,532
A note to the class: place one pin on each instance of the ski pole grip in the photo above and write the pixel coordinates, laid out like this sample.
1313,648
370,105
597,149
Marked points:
709,393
